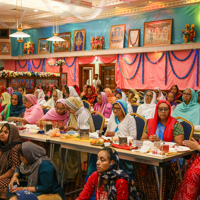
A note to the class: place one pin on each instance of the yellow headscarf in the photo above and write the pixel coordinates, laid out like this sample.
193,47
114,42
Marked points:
136,94
6,98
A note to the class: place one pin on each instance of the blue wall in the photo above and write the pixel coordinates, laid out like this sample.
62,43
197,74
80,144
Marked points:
181,16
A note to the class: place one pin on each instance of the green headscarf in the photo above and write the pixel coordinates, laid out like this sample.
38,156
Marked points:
196,95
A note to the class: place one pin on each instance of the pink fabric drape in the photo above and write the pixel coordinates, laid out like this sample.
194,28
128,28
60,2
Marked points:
107,59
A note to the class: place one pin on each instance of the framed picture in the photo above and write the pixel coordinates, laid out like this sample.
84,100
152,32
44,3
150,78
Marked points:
157,33
63,79
117,33
47,82
63,46
3,82
133,38
27,83
79,40
5,48
44,46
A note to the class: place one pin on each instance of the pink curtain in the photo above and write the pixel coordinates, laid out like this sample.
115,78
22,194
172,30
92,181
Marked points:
107,59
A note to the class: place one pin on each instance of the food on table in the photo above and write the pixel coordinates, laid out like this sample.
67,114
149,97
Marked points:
99,141
157,151
54,133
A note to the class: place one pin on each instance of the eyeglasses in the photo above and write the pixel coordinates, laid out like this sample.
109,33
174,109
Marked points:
117,109
163,109
186,94
147,95
60,109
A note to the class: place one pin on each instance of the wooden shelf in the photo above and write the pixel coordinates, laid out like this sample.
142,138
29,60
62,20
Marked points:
107,52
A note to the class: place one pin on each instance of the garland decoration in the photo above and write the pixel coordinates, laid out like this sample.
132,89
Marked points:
155,61
131,62
183,58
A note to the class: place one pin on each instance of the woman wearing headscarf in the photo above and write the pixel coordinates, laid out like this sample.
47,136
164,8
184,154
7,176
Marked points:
175,90
110,95
102,105
33,110
99,88
147,110
56,94
5,98
9,158
77,89
90,95
197,96
15,108
133,96
40,173
109,181
159,94
58,115
171,99
65,91
189,109
39,93
73,93
2,90
10,90
22,90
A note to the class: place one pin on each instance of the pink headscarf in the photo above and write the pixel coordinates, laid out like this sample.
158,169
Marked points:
160,95
53,115
32,98
104,106
10,90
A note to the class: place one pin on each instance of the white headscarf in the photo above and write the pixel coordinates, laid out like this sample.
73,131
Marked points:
51,103
73,93
147,110
124,97
41,97
160,95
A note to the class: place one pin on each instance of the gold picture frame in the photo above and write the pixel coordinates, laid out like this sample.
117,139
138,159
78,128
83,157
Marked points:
79,40
133,38
44,46
5,48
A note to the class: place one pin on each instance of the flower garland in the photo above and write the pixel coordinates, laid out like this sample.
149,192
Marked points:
12,74
155,61
60,63
131,62
183,58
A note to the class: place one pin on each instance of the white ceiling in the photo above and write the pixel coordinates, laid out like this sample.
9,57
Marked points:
45,15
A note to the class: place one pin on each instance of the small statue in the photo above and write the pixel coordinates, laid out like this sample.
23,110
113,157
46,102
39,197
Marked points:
192,33
97,42
101,45
25,48
29,48
186,33
92,43
32,48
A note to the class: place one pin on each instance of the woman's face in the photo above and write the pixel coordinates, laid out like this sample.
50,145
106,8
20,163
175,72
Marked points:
89,91
23,159
97,89
163,111
174,90
198,97
65,92
187,96
103,161
131,94
71,111
4,135
157,93
55,96
148,97
20,90
14,100
84,88
60,109
36,94
117,110
99,99
54,88
27,104
170,97
118,96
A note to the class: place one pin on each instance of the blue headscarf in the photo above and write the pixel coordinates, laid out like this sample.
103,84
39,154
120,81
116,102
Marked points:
119,90
197,94
124,107
15,111
190,112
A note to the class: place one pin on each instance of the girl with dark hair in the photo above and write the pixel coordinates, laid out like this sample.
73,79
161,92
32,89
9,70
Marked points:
90,95
99,88
175,90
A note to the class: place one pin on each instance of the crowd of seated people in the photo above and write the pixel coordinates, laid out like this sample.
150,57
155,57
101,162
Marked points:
66,111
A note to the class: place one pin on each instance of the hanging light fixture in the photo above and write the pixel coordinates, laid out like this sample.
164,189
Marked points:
19,34
55,37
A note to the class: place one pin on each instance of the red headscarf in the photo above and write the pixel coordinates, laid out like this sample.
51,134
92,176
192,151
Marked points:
92,97
77,89
152,123
2,90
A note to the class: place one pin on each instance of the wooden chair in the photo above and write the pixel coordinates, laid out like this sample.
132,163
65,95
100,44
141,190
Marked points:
86,104
98,120
164,93
135,107
141,124
188,128
46,107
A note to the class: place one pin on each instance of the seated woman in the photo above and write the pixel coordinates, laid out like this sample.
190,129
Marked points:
65,91
99,88
175,90
147,110
159,94
56,94
198,96
109,181
84,91
133,96
58,115
2,90
102,105
77,89
189,109
9,158
171,99
39,93
73,93
110,95
163,126
22,90
40,173
33,110
5,99
189,187
15,108
90,95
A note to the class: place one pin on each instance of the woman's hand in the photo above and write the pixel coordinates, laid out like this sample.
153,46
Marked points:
13,180
192,144
153,138
109,134
70,127
17,189
12,118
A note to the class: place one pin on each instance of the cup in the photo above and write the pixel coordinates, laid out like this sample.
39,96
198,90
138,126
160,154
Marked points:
157,144
84,134
165,148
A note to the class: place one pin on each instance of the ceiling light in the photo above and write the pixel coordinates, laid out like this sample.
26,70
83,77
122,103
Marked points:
55,38
35,10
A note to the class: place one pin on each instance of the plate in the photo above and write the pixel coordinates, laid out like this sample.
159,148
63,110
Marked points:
182,149
156,155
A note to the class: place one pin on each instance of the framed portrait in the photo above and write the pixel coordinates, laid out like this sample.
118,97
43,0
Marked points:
63,46
63,79
117,33
44,46
27,83
79,40
157,33
5,48
134,38
46,82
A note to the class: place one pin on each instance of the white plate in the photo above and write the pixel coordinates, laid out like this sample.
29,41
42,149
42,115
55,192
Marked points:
156,155
182,148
